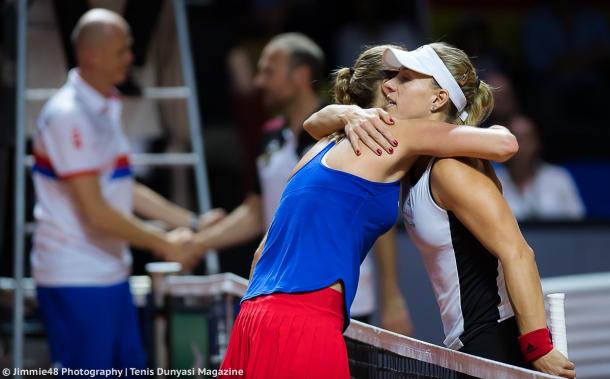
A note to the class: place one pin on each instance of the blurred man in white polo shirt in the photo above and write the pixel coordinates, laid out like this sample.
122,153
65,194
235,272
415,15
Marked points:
85,196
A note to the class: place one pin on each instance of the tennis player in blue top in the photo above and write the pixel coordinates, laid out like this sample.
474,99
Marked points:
305,271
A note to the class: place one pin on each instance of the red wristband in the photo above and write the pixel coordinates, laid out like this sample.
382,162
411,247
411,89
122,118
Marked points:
535,344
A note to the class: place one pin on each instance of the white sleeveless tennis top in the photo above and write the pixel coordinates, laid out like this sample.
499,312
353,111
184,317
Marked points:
467,279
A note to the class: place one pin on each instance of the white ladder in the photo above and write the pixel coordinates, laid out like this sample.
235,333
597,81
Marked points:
196,158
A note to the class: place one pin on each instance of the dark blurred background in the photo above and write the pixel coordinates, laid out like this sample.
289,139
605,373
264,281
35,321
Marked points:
549,62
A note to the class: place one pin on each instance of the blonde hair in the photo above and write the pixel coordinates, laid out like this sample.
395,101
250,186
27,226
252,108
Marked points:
479,95
359,85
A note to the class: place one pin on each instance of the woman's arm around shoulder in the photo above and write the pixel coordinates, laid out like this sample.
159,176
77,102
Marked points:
440,139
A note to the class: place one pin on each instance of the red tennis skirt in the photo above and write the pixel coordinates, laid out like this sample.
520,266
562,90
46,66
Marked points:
293,336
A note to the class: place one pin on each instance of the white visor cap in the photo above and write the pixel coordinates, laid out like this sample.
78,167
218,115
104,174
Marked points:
425,61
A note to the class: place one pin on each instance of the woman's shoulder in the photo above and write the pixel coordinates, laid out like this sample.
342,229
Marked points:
315,150
462,169
457,163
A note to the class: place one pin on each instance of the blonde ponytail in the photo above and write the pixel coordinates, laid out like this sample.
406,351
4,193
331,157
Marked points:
343,77
479,95
480,106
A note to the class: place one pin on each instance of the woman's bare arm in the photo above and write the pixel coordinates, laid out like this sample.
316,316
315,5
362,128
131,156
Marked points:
421,137
394,312
477,202
440,139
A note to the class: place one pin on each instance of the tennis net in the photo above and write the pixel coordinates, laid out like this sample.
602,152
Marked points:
373,352
378,354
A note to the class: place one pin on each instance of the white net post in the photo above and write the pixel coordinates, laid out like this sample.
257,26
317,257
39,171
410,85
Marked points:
558,322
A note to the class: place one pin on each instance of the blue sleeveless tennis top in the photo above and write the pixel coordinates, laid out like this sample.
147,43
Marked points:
325,224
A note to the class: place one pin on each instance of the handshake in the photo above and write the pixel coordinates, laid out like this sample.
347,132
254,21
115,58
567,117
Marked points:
185,246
